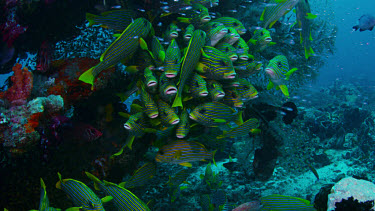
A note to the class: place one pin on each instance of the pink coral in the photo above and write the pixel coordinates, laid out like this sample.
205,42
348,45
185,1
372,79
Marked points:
22,80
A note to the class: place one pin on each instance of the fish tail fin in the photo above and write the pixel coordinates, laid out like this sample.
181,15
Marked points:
239,120
58,184
88,77
94,179
284,89
90,17
177,102
270,85
309,52
356,27
129,142
42,184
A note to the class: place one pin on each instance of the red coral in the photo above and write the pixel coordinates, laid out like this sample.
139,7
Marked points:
32,122
21,88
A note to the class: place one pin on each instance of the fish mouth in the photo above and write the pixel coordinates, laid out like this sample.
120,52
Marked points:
205,19
255,96
171,90
151,83
238,105
230,76
153,116
219,95
235,84
236,36
180,136
224,31
270,71
244,57
203,93
268,39
170,75
241,31
173,34
187,37
127,126
175,122
234,58
192,117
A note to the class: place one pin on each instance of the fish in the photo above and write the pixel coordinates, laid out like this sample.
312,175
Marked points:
171,33
116,19
167,114
150,108
276,69
141,176
198,87
260,40
249,126
281,202
172,62
149,77
123,199
232,98
190,61
167,88
214,113
246,90
215,90
123,47
81,195
44,202
269,112
231,37
215,32
304,17
275,10
232,22
183,152
198,15
214,64
158,51
189,30
179,178
247,68
249,206
183,126
242,49
365,22
228,50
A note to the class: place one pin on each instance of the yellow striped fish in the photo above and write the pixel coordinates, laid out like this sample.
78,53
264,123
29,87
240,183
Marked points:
247,68
250,126
167,114
228,50
280,202
231,37
215,90
81,195
274,10
167,88
115,19
151,110
277,69
183,127
141,176
149,78
183,152
123,199
260,40
232,22
122,48
215,32
172,61
158,51
191,59
242,49
246,90
189,30
198,86
232,98
214,113
44,202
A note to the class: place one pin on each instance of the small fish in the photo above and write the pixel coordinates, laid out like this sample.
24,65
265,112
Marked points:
81,195
214,113
158,51
250,126
247,68
44,202
116,19
167,114
189,32
246,90
198,86
232,98
275,10
123,199
260,40
141,176
304,17
242,49
280,202
276,69
197,16
167,88
215,32
365,22
215,90
232,22
151,110
183,126
172,61
183,152
123,47
191,59
149,78
214,64
179,178
231,37
228,50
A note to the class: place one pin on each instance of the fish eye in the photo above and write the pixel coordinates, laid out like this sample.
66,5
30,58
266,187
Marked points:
235,24
214,25
279,64
202,111
226,49
261,33
250,60
161,152
223,63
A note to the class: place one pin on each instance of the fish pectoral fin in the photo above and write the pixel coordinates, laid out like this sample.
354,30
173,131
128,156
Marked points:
184,20
116,35
310,16
186,164
129,141
162,56
255,131
74,209
219,120
90,17
106,199
201,68
239,120
131,69
123,114
88,77
289,73
143,44
270,85
177,102
272,43
284,90
252,41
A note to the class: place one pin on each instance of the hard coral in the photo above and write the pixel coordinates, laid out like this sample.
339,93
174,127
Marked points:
22,81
